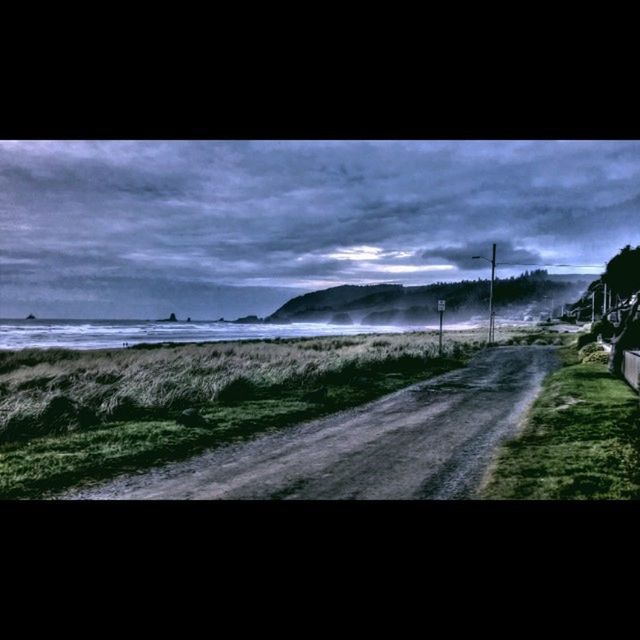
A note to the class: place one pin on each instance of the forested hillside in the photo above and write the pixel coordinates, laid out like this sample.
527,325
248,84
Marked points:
530,294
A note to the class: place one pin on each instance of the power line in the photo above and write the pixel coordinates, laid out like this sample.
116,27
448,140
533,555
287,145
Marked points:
536,264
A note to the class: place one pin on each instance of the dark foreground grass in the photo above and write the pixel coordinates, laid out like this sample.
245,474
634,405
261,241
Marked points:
581,440
44,466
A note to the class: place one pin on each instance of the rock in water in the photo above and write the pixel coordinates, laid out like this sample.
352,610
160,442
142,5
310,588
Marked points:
191,418
31,317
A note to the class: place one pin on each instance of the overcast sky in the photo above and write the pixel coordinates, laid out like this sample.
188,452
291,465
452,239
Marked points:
126,229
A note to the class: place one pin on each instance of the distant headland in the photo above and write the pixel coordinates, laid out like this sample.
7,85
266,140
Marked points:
529,295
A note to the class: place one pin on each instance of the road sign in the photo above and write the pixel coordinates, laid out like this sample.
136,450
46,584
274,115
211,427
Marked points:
441,310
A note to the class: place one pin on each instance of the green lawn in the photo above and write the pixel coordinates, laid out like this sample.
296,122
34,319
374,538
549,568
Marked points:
581,440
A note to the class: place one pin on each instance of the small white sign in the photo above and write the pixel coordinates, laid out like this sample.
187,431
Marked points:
441,305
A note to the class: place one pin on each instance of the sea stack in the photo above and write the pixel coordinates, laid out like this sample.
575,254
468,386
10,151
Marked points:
31,317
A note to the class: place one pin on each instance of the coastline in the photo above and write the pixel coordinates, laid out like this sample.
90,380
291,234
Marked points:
91,335
112,334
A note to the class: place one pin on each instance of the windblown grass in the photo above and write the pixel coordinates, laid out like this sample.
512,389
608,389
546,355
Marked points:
154,382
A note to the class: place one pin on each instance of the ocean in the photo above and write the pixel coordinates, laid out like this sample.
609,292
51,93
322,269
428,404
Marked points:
100,334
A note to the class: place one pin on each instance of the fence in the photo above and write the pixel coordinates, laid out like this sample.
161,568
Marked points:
631,368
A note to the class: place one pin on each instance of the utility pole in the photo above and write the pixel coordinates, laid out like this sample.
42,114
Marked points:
604,302
593,307
493,274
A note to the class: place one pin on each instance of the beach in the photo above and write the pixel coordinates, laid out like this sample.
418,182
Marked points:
100,334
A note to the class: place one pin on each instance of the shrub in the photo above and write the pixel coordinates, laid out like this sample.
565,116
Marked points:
590,348
603,327
59,415
457,351
107,378
178,400
586,338
62,414
599,357
240,388
20,426
122,408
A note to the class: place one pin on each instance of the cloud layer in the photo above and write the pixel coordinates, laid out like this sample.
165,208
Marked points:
206,228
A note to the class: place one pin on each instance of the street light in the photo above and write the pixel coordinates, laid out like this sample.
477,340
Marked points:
493,273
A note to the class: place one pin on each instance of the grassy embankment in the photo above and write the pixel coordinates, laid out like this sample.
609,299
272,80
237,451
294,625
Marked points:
581,438
67,417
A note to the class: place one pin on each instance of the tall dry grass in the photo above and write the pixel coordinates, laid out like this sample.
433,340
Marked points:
46,391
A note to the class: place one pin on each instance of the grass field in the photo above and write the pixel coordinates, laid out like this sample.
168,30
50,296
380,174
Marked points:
581,438
69,417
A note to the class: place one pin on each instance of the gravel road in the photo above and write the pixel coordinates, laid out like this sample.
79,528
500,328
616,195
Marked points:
433,440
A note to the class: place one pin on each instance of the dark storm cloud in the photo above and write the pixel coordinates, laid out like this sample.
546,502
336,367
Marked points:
122,221
462,256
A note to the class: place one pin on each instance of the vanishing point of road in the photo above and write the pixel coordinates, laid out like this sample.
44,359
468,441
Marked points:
433,440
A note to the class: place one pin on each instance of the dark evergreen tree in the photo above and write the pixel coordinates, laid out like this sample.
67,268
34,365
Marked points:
622,275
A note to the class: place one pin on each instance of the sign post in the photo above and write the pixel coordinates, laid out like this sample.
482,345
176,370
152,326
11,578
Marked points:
441,305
